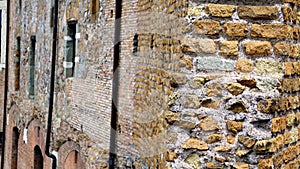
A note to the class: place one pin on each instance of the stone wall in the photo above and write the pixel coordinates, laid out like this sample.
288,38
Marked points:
230,100
202,84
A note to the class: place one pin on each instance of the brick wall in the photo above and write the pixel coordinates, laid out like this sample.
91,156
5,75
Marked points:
203,84
2,81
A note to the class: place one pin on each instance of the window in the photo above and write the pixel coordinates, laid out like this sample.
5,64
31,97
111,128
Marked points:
69,64
14,148
31,67
17,64
135,43
38,130
94,9
38,158
74,161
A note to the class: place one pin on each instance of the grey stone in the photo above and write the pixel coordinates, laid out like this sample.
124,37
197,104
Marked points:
193,160
267,84
214,63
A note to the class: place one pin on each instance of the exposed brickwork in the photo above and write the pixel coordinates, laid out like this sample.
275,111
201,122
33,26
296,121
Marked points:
2,81
195,77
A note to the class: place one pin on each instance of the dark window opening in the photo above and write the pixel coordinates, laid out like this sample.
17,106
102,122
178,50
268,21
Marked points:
38,131
75,157
17,64
111,13
152,42
94,6
14,148
94,9
51,17
38,158
70,48
135,43
73,161
20,4
32,67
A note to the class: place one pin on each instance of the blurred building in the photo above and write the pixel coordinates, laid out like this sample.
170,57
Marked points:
151,84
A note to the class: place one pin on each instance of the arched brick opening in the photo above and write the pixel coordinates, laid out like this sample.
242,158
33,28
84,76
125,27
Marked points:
9,140
73,161
31,139
14,148
69,156
38,158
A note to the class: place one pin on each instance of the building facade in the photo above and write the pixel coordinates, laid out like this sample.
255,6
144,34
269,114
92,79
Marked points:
153,84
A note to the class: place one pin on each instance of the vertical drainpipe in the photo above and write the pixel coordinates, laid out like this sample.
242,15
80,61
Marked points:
52,78
115,86
6,83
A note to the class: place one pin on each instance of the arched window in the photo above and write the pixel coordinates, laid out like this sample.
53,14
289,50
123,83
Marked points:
73,161
38,158
14,148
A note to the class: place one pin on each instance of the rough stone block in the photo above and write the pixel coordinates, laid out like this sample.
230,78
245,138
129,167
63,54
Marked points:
276,124
278,159
238,107
278,31
258,12
244,65
193,160
209,124
213,138
235,88
191,101
219,10
229,48
214,89
289,15
265,163
236,29
214,63
269,67
241,165
211,103
196,82
207,27
197,45
247,141
284,49
194,143
212,165
234,126
194,11
258,48
222,148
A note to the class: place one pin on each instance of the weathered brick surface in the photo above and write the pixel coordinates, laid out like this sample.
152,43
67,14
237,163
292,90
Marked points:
289,14
244,65
258,48
208,27
236,29
258,12
280,31
229,48
284,49
196,77
220,10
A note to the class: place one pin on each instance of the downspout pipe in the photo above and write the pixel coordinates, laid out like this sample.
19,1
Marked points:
52,79
5,83
115,86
